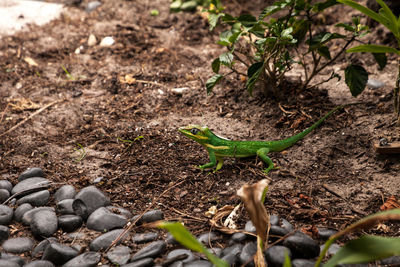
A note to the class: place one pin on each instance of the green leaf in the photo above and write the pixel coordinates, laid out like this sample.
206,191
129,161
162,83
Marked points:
215,65
318,7
184,237
381,59
224,38
356,78
322,38
253,72
371,48
287,262
213,19
346,26
324,51
226,59
366,249
373,15
300,29
247,20
175,6
211,82
386,12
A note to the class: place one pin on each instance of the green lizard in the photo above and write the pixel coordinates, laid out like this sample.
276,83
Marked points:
219,148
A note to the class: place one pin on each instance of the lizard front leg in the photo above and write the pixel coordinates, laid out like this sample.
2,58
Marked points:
262,153
213,160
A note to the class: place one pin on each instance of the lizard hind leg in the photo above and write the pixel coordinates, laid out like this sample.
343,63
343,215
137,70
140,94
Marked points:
220,163
262,153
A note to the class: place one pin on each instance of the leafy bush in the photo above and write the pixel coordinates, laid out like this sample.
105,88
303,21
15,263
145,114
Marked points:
392,23
268,46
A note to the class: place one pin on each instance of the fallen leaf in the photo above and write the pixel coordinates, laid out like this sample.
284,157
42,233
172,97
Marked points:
252,196
391,203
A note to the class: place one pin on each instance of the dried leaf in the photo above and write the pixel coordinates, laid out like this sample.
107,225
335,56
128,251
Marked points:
251,196
391,203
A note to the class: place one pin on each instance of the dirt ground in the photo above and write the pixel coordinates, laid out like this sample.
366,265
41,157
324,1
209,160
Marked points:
101,123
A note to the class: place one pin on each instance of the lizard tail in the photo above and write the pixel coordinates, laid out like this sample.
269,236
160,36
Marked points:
295,138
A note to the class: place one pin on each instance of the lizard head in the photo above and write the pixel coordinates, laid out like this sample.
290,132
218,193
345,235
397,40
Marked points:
196,132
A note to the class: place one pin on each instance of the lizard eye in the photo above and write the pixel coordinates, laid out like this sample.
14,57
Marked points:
194,131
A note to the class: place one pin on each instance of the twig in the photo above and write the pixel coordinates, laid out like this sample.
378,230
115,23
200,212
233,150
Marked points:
31,116
141,215
26,192
4,112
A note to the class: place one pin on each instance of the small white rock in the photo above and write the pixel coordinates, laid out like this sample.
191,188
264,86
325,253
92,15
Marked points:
92,40
180,90
161,92
107,41
375,84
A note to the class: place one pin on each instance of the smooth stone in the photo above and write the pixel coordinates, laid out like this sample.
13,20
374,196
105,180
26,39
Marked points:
64,192
199,263
235,249
247,253
275,255
44,223
249,227
279,231
36,199
146,262
170,239
302,246
39,263
179,254
375,84
286,224
102,220
69,223
325,233
238,237
4,233
87,259
274,219
391,261
144,237
216,251
88,200
20,211
105,240
148,217
29,184
31,172
207,238
8,263
119,255
5,184
43,245
27,217
152,250
231,259
120,211
13,258
64,206
18,245
332,250
6,214
58,253
4,195
303,263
